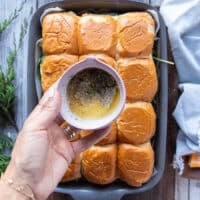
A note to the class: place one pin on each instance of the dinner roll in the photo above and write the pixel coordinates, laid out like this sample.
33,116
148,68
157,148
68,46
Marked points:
53,66
74,170
140,78
59,33
136,124
136,34
135,163
97,34
99,164
109,139
102,57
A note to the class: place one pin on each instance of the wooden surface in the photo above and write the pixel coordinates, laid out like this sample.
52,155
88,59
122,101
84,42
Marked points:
6,43
171,185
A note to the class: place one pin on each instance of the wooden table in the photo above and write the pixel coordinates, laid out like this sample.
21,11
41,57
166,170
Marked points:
171,185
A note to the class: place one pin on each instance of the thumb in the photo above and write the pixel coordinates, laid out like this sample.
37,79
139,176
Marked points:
45,112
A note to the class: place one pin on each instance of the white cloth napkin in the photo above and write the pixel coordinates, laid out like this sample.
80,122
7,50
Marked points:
182,18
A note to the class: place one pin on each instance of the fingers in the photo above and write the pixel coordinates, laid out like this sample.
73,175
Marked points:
67,149
90,140
45,112
59,120
60,144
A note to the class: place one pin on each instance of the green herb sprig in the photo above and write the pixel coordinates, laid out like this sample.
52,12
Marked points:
4,161
163,61
5,142
7,85
24,29
5,23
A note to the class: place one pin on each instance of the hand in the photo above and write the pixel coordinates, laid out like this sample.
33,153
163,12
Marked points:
42,153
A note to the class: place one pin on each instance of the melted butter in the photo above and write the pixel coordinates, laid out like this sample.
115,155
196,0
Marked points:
92,94
94,109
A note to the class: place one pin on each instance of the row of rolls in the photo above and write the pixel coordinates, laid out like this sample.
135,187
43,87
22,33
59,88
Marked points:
113,158
124,42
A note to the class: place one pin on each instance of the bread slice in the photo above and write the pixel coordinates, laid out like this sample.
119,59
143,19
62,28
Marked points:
136,124
135,163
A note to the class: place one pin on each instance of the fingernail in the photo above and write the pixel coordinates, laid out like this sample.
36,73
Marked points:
51,92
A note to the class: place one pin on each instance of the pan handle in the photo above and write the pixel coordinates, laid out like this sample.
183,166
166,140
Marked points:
97,195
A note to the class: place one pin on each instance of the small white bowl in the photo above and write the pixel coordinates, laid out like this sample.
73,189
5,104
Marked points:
89,124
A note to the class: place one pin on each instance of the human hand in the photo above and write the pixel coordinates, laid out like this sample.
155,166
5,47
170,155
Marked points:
42,153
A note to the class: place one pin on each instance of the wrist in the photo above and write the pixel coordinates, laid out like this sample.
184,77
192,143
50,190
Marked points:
16,173
6,192
18,180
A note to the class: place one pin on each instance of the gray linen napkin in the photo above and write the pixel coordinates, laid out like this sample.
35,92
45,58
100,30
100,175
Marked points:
182,18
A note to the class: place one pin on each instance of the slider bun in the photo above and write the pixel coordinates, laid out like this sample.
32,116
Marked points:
108,139
111,137
97,34
64,125
99,164
136,34
136,124
85,133
140,78
59,33
53,66
102,57
135,163
74,170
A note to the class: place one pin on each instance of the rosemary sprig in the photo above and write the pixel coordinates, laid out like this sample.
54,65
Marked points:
7,88
4,161
5,142
162,60
24,29
7,85
5,23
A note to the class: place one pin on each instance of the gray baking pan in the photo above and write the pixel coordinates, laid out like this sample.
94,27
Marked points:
82,189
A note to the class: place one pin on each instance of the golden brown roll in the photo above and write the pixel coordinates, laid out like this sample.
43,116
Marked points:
64,125
53,67
140,78
85,133
99,164
102,57
136,34
109,139
97,34
136,124
59,33
135,163
74,170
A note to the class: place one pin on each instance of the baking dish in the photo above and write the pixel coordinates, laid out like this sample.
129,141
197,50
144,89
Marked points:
81,189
